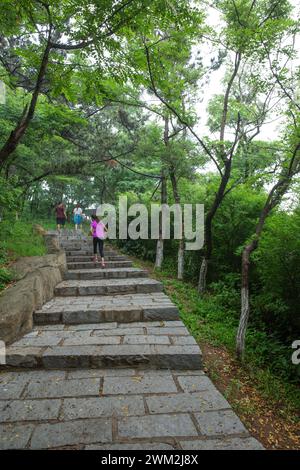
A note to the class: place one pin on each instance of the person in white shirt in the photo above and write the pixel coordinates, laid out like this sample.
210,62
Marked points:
77,212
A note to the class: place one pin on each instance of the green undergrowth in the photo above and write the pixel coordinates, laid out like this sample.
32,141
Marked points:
17,239
267,362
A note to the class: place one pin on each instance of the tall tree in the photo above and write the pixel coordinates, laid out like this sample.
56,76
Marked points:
284,174
251,31
72,42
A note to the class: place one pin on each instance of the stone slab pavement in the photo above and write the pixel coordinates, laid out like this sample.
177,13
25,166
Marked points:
86,400
116,409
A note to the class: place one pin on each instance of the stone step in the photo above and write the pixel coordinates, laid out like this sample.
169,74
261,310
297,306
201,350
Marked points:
89,257
118,409
105,273
93,265
88,251
75,246
162,345
73,239
108,287
110,308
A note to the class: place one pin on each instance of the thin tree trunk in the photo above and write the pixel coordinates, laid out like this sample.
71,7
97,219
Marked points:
163,198
274,198
180,265
180,255
159,253
160,242
223,184
245,306
202,282
208,242
203,275
28,112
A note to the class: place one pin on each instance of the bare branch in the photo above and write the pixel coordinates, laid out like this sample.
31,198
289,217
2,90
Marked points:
226,98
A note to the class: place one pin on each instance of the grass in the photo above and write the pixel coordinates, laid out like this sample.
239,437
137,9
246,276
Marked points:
17,239
209,322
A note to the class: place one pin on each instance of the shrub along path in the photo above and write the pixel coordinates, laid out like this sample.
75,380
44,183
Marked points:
109,365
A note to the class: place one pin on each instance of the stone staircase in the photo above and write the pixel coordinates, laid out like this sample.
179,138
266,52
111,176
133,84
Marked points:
110,365
122,319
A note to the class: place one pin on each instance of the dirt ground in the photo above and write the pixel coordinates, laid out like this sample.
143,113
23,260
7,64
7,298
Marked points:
263,419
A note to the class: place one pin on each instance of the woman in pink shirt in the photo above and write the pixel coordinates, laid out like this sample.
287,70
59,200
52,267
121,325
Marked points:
98,230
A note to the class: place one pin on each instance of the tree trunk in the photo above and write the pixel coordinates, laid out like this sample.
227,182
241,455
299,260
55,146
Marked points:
202,281
28,113
203,275
274,198
163,199
180,270
159,253
208,243
180,256
223,183
245,307
160,242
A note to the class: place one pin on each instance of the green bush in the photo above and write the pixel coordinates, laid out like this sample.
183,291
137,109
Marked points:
17,238
5,277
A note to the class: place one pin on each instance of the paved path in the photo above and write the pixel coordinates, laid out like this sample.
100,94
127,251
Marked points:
109,365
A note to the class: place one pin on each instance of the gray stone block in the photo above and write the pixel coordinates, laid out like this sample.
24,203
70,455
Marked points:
161,313
146,339
15,436
139,384
69,356
84,373
29,410
94,326
84,338
92,265
45,340
75,408
165,330
23,357
195,383
181,372
219,422
157,426
183,340
228,443
144,288
106,273
13,388
186,402
143,324
83,316
103,314
131,446
84,431
63,388
119,331
38,375
53,327
41,317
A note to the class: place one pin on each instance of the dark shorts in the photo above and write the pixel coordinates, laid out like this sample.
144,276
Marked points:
60,221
